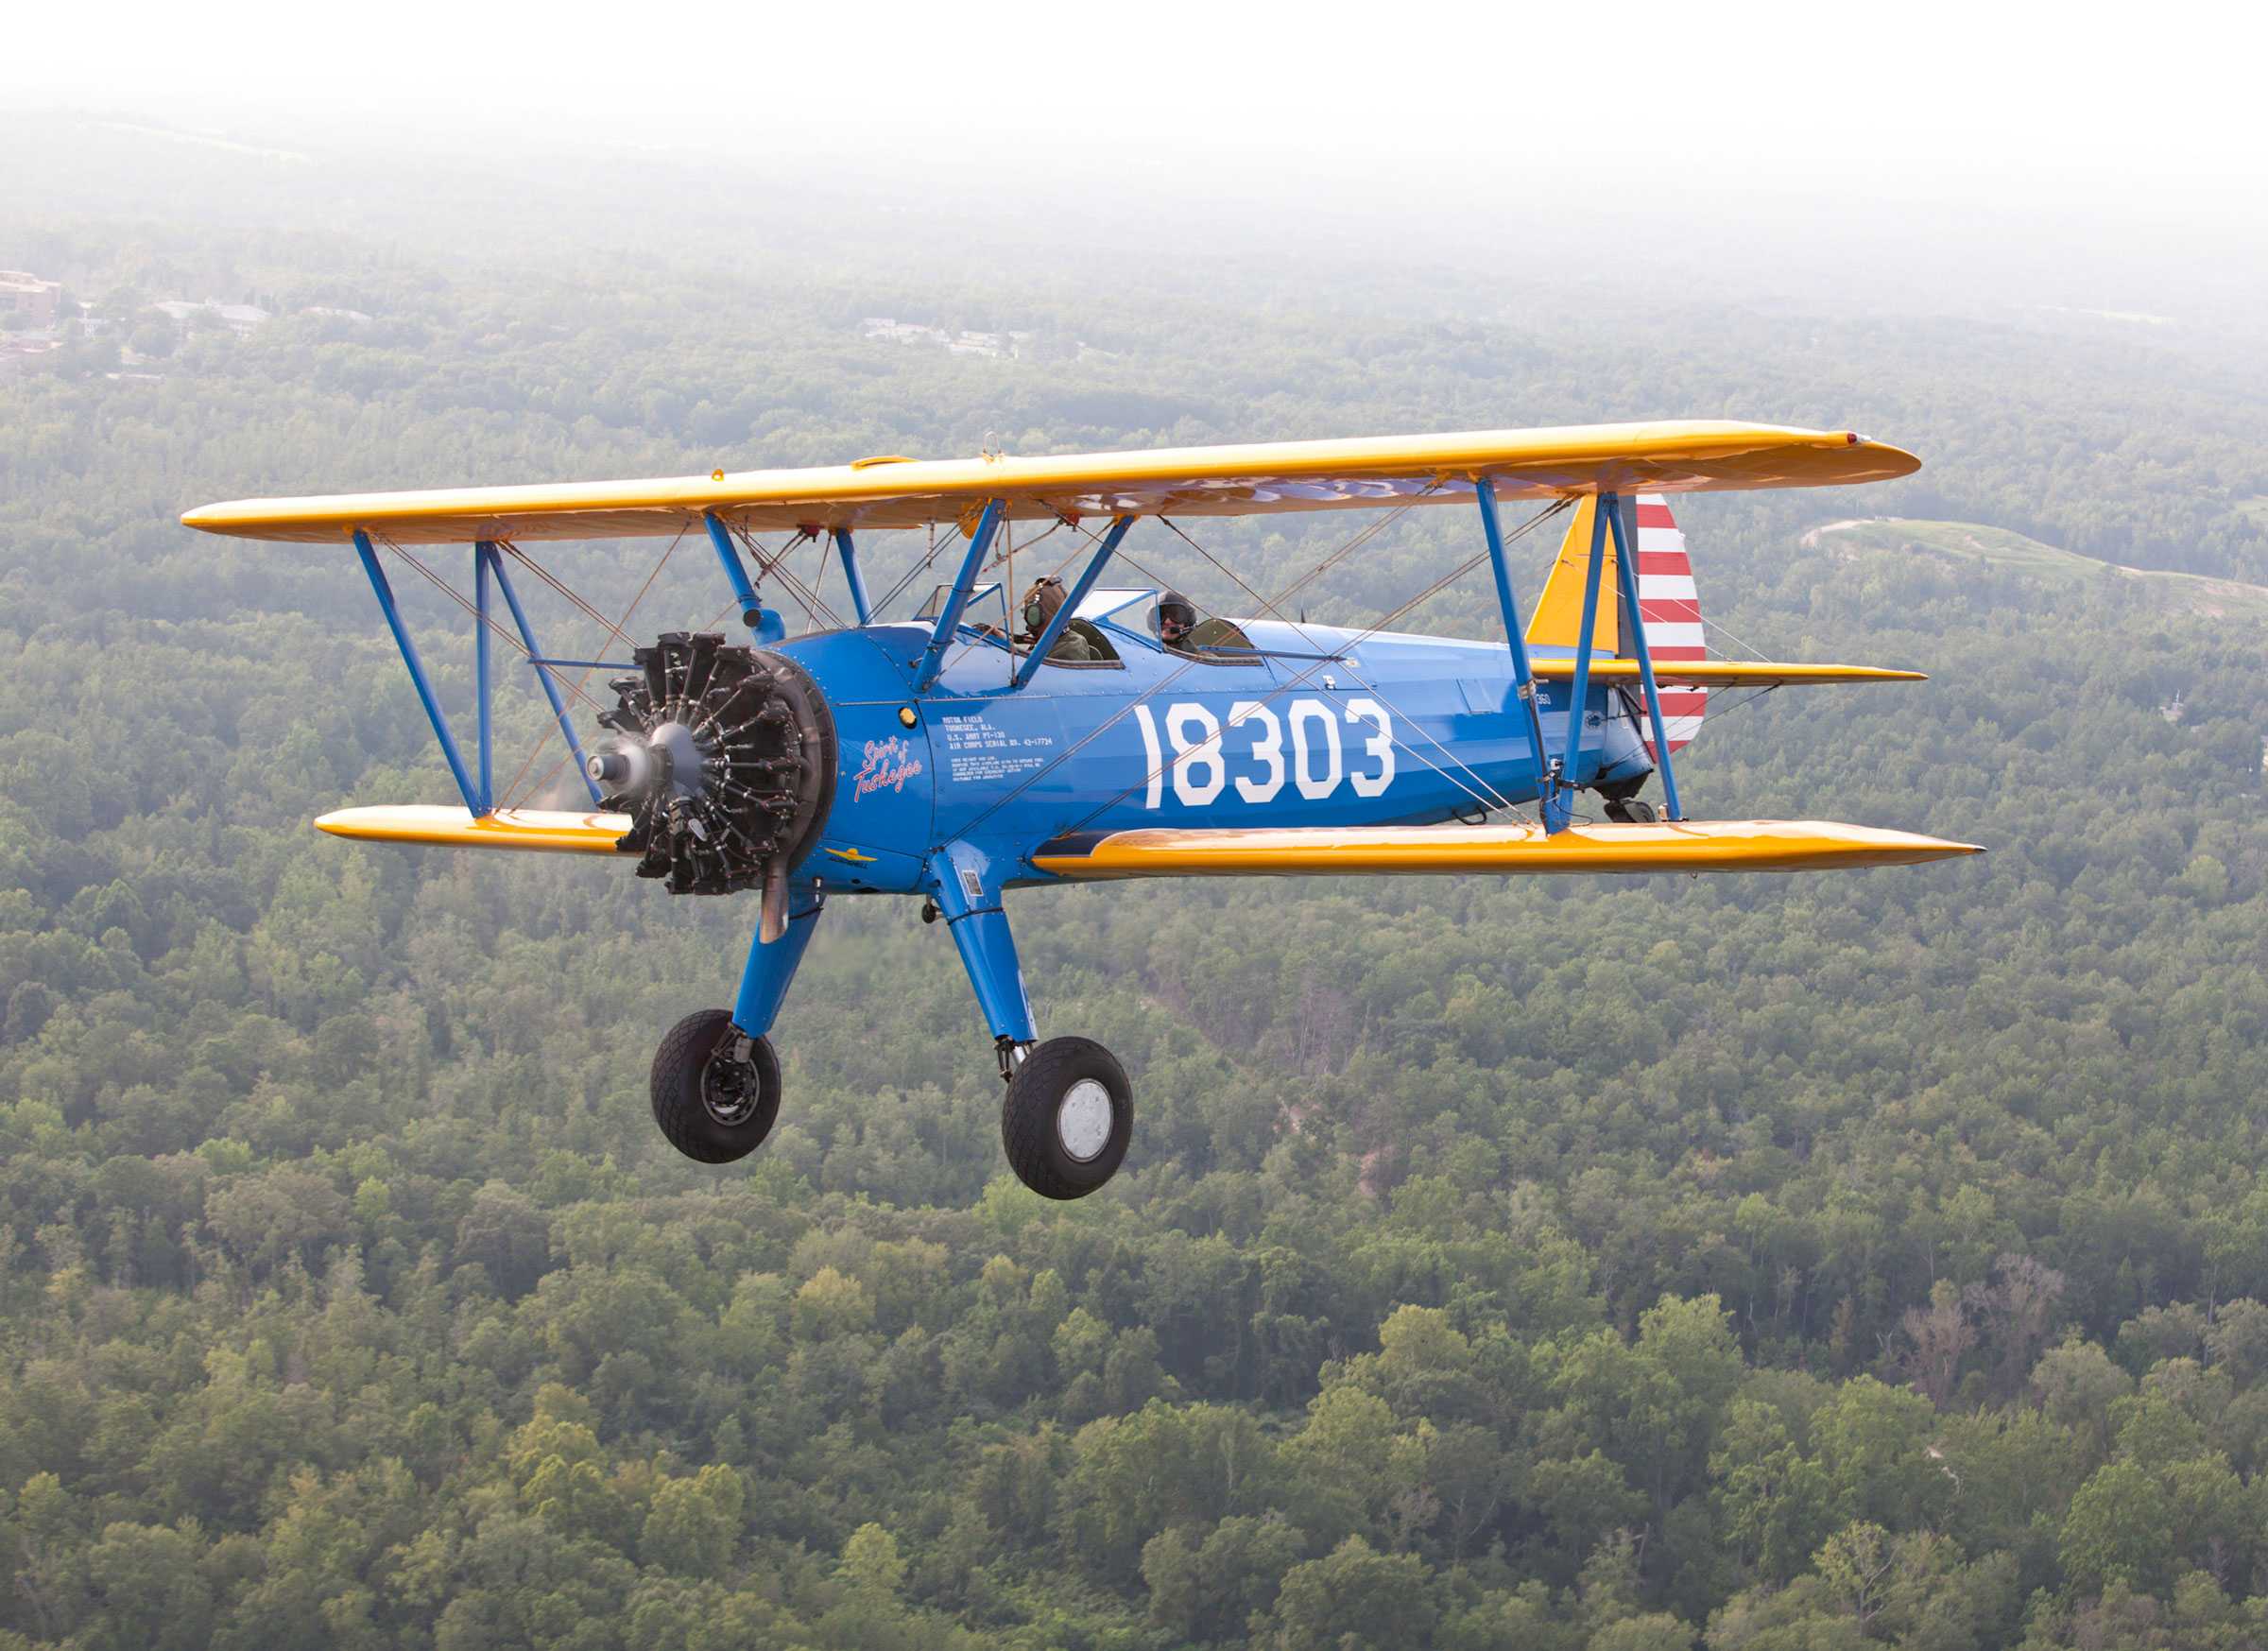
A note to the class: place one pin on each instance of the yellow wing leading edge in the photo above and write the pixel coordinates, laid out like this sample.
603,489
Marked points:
537,829
1509,849
1256,478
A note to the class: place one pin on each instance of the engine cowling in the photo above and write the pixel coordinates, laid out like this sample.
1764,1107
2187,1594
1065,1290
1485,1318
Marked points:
725,758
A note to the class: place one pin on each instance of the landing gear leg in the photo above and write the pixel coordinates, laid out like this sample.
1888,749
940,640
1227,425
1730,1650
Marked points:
1069,1113
716,1084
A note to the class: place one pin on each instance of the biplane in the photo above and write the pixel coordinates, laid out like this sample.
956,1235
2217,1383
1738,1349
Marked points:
1101,730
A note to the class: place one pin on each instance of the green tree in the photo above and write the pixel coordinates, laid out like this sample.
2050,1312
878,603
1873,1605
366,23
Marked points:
1774,1502
1354,1598
2119,1528
693,1524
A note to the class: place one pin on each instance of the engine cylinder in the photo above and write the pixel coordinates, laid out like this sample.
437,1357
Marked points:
725,759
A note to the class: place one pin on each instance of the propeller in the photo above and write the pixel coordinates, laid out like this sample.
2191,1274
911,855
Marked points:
724,758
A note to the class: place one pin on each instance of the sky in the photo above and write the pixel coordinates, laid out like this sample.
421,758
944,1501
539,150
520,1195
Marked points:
1923,156
1911,102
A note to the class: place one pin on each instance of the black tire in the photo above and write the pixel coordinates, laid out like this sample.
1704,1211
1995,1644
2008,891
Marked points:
1030,1129
713,1102
1633,811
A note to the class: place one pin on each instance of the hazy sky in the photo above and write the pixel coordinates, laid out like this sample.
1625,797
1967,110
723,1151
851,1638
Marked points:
2131,108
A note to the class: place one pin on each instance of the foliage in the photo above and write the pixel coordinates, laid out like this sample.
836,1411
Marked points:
1793,1263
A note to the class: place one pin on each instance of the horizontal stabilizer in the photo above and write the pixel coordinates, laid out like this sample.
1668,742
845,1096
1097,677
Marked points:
1726,673
539,830
1511,849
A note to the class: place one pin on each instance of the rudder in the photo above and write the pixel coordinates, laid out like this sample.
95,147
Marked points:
1669,606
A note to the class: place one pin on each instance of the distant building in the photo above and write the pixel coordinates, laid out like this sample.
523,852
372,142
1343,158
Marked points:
25,298
19,352
238,317
965,343
327,312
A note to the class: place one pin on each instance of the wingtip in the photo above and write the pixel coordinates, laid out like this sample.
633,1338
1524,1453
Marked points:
215,518
1896,460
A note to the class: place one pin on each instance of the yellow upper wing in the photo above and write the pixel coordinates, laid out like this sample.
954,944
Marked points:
1690,455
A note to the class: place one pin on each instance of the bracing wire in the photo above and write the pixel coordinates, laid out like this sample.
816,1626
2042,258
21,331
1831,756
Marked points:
620,632
493,624
1303,678
1494,799
1376,526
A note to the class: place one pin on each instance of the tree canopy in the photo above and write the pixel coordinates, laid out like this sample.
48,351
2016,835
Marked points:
1777,1262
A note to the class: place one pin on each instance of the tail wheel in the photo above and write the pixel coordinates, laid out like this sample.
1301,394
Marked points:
716,1092
1068,1117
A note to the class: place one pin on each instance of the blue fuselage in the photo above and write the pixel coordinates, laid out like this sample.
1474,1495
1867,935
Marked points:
1317,727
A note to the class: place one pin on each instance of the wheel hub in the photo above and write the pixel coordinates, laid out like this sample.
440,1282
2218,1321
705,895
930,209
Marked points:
730,1088
1083,1120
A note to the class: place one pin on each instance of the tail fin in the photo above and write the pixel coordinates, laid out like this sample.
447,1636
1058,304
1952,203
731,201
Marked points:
1668,606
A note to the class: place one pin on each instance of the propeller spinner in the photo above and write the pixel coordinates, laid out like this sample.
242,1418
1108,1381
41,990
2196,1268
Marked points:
724,757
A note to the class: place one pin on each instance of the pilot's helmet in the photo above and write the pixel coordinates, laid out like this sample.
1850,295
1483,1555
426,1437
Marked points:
1176,615
1041,602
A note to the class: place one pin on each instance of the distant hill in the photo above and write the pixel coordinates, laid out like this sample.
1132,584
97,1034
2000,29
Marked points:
2002,549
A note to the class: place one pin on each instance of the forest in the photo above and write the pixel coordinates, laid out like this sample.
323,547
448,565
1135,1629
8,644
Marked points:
1774,1263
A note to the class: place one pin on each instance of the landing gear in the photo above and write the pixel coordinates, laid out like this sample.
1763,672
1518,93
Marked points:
715,1090
1067,1118
1632,811
1070,1110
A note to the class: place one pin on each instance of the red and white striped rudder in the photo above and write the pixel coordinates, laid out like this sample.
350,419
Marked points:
1669,606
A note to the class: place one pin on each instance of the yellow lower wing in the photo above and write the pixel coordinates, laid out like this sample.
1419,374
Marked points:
453,828
1512,849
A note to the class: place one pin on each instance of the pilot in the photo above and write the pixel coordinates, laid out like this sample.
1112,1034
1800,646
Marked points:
1041,605
1177,618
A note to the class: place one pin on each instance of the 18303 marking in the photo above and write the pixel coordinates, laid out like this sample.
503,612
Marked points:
1304,747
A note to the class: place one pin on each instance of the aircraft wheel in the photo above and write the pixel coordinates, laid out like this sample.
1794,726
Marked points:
1068,1117
715,1093
1633,811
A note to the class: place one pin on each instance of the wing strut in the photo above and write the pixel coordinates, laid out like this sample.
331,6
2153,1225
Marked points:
1524,674
752,605
853,576
956,599
484,675
1557,801
1633,627
493,562
476,801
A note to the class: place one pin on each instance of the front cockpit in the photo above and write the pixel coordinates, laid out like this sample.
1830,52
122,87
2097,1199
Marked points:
1105,623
